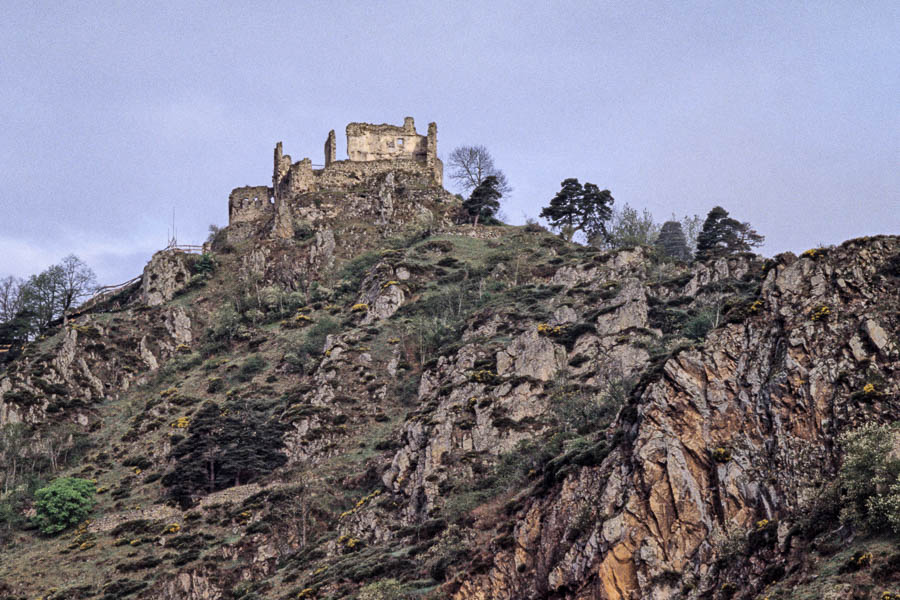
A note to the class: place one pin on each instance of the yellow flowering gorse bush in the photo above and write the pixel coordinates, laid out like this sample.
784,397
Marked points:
820,314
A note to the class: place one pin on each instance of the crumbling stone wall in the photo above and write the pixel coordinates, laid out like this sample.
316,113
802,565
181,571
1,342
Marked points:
366,142
379,143
372,149
250,203
344,174
330,149
290,178
432,162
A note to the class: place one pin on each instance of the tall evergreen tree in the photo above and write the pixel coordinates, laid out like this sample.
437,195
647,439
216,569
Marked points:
224,448
563,211
579,208
671,241
484,201
596,210
721,235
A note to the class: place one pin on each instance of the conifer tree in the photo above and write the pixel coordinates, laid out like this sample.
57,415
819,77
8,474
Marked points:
562,213
721,235
579,208
596,210
484,201
671,241
224,448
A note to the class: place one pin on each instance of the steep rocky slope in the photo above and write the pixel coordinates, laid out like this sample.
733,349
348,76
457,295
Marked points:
460,412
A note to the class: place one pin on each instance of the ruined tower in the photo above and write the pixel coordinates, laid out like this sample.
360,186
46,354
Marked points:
371,149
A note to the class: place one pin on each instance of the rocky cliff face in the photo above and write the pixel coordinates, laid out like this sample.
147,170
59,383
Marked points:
728,434
464,412
91,359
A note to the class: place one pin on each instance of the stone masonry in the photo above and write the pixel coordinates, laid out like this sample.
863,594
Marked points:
371,149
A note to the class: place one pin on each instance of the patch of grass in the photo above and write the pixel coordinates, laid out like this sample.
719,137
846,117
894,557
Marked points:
251,367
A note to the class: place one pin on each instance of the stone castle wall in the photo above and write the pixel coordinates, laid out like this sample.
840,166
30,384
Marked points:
250,203
366,142
372,149
347,173
330,149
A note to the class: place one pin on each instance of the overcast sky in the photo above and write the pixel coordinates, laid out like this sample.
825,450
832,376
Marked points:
785,113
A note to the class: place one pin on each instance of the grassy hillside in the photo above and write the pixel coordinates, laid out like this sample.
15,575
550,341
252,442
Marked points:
449,411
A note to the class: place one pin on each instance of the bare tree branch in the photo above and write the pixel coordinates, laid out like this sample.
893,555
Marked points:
10,298
471,165
78,281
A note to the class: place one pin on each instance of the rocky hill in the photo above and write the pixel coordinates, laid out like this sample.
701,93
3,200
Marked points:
392,405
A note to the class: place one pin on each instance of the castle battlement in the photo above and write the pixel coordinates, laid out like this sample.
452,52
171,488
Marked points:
371,149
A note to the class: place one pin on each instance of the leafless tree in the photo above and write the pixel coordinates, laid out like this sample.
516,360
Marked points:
10,298
13,441
470,165
78,281
58,442
691,224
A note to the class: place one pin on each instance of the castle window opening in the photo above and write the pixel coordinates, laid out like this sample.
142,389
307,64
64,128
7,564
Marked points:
400,142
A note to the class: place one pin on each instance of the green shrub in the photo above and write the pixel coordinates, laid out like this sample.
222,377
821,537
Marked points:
65,502
215,384
303,355
699,325
205,265
303,231
667,319
141,462
721,454
314,343
858,560
251,367
226,324
870,478
353,272
581,410
386,589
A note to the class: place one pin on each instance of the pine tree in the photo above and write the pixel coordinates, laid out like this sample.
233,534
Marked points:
576,208
671,241
596,210
224,448
721,235
564,208
484,201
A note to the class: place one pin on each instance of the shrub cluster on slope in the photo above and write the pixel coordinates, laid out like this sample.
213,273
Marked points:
67,501
225,446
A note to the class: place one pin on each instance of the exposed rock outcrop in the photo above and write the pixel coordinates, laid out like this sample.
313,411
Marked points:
165,275
467,412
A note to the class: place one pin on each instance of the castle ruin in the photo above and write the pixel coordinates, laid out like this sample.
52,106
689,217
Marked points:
371,150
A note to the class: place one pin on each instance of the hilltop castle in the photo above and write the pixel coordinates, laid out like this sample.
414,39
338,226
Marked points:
371,149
